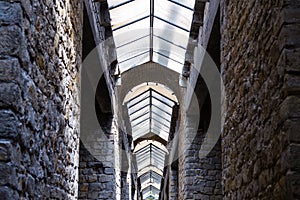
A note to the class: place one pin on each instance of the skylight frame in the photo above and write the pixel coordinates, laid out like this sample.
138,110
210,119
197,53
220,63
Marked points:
154,14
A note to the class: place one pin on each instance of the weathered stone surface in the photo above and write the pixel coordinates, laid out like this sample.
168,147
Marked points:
39,110
260,47
7,193
9,124
96,181
11,40
10,13
11,96
9,70
5,150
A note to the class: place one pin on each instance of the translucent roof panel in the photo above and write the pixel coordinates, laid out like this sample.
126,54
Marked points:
135,61
188,3
113,3
173,13
150,155
160,59
139,98
132,107
161,105
168,49
150,177
150,112
134,10
133,49
171,33
141,119
150,191
138,113
150,196
131,22
162,98
144,127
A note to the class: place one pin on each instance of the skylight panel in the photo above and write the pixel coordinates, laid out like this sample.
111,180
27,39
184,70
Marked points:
160,125
139,127
139,105
162,112
169,50
163,98
134,61
139,99
171,33
130,20
140,119
162,105
150,176
160,119
173,13
164,61
114,3
133,49
186,3
134,10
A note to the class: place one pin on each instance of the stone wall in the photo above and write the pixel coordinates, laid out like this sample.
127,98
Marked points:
198,178
96,181
40,56
260,69
173,183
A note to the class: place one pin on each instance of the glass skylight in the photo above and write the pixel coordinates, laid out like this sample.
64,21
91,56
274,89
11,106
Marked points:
150,112
151,191
134,10
143,34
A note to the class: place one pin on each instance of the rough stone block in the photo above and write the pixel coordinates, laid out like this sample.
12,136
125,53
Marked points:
293,127
94,187
9,70
10,96
11,40
7,193
292,60
9,124
109,171
290,107
295,157
5,150
292,83
292,15
289,36
292,3
7,174
10,13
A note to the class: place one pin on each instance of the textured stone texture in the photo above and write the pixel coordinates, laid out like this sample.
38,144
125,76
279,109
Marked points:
198,178
40,55
259,59
96,181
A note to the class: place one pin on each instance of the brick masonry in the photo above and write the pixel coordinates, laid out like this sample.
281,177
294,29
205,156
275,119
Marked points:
40,55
